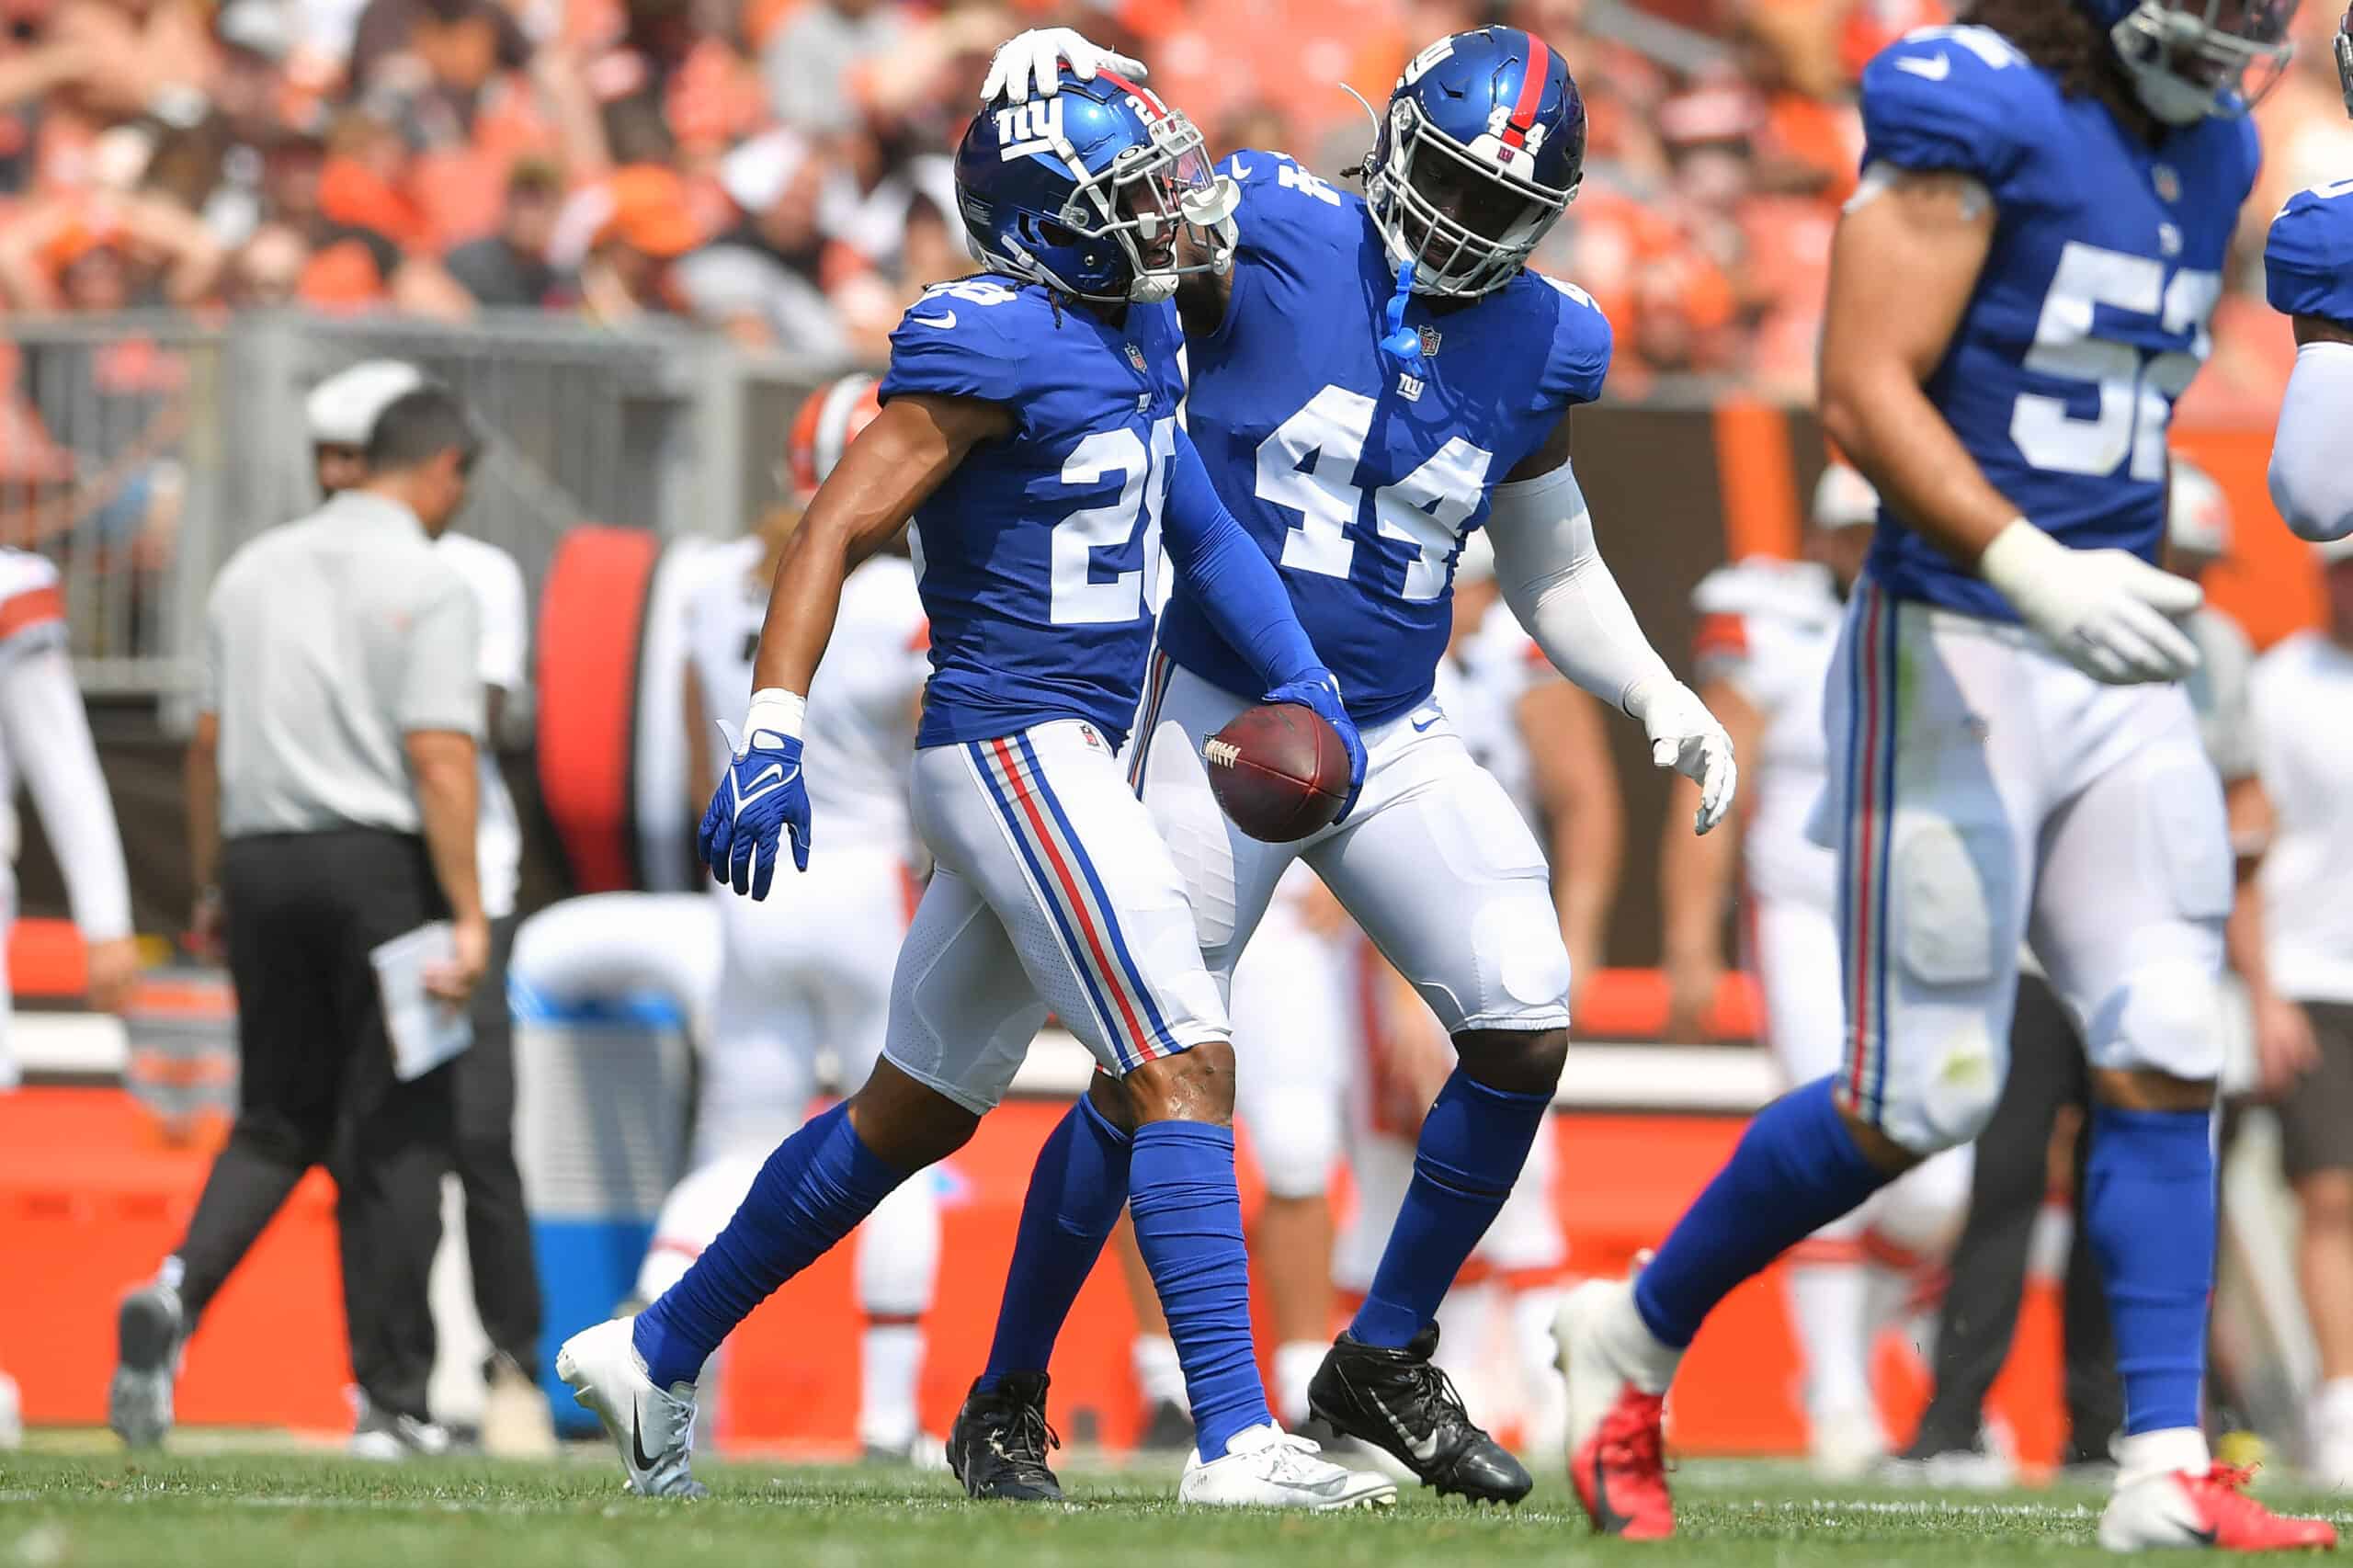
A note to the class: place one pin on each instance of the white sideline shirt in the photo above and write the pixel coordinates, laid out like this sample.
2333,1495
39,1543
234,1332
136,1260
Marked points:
2302,688
498,586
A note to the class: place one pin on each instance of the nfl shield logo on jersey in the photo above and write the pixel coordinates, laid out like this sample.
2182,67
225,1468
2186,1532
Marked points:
1429,343
1135,358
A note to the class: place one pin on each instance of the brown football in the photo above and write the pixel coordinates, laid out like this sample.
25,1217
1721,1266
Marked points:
1279,770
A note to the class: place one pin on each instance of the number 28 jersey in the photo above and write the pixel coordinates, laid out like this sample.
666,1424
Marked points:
1034,558
2090,315
1357,474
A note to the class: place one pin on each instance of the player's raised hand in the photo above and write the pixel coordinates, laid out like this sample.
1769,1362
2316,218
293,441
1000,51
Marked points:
760,799
1030,64
1686,737
1319,692
2107,612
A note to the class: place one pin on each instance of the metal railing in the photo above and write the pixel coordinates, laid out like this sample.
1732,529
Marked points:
139,451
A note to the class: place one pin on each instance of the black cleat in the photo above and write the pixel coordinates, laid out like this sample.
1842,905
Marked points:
1167,1430
1402,1405
998,1445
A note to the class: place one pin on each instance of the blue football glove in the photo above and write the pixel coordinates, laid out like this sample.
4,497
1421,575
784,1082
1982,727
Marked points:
760,797
1319,691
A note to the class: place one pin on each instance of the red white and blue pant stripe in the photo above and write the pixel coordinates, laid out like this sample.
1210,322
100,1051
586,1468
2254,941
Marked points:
1867,836
1071,891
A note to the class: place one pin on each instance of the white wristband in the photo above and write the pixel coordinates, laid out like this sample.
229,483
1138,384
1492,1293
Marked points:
2019,557
776,711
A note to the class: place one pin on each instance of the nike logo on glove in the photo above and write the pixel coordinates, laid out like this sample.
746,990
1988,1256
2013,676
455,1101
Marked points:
766,782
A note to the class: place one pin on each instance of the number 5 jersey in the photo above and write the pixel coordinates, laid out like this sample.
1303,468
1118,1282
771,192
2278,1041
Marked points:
2090,315
1356,473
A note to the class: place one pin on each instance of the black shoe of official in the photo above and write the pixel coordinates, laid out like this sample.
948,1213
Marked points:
998,1445
1167,1430
1402,1405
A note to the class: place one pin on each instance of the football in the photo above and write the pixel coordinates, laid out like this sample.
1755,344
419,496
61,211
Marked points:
1279,770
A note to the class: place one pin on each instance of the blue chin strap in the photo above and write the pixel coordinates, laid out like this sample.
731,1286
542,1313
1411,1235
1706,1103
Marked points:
1401,343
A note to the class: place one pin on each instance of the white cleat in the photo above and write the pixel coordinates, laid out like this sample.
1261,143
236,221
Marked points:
515,1422
1845,1445
388,1438
653,1427
1266,1467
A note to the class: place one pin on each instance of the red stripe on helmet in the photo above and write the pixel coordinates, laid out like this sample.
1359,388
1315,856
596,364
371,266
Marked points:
1153,107
1531,93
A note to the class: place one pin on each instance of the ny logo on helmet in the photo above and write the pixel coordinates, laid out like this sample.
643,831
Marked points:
1026,128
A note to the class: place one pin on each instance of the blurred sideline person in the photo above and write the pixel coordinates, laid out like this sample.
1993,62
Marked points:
332,791
516,1422
808,969
2303,688
2049,1091
1767,632
2013,758
45,741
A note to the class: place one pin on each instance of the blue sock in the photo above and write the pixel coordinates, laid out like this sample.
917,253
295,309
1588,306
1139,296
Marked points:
812,1192
2149,1208
1188,1227
1077,1191
1796,1169
1474,1143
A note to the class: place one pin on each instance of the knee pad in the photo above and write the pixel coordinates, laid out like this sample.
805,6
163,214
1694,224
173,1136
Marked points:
1295,1137
2167,1017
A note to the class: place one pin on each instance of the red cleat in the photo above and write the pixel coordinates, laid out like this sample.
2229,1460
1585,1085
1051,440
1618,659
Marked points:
2210,1510
1620,1471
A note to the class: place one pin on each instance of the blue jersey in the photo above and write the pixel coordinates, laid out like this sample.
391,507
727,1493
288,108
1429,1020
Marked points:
2089,318
1358,475
2308,259
1035,555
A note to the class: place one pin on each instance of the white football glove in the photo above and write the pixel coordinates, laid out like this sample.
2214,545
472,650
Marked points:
1686,737
1031,64
2107,612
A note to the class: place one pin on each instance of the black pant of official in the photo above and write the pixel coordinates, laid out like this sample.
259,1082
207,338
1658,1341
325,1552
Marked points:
498,1229
1980,1315
316,1087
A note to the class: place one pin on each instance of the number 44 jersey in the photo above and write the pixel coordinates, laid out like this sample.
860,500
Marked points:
2090,315
1356,473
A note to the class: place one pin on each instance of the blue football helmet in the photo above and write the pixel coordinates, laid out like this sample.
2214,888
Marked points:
1086,191
1481,149
2191,59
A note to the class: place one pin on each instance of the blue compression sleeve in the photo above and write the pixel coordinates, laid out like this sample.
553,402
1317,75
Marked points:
1238,587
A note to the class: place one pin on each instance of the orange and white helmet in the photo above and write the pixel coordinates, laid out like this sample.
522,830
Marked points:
828,422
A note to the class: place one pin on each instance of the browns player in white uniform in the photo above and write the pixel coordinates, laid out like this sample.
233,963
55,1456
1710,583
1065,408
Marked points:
45,741
1767,629
806,973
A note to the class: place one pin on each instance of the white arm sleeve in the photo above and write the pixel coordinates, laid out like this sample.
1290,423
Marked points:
49,735
2311,483
1556,583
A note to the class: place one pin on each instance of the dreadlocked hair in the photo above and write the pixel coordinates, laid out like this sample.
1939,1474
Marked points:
2060,38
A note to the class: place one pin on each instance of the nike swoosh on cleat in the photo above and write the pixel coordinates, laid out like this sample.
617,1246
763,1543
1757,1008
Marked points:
1606,1519
2206,1536
1424,1451
1422,724
637,1443
944,320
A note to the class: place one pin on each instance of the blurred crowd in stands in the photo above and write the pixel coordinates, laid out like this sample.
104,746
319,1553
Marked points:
774,169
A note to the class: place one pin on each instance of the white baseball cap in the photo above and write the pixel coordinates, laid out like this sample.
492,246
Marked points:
1844,499
341,411
2198,515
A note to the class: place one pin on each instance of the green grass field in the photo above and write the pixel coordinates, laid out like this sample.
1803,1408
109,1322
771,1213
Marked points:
64,1510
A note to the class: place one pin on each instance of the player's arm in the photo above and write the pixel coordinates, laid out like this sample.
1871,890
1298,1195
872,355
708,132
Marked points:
2311,483
892,468
1903,266
1244,597
49,735
1569,757
1695,877
1551,575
